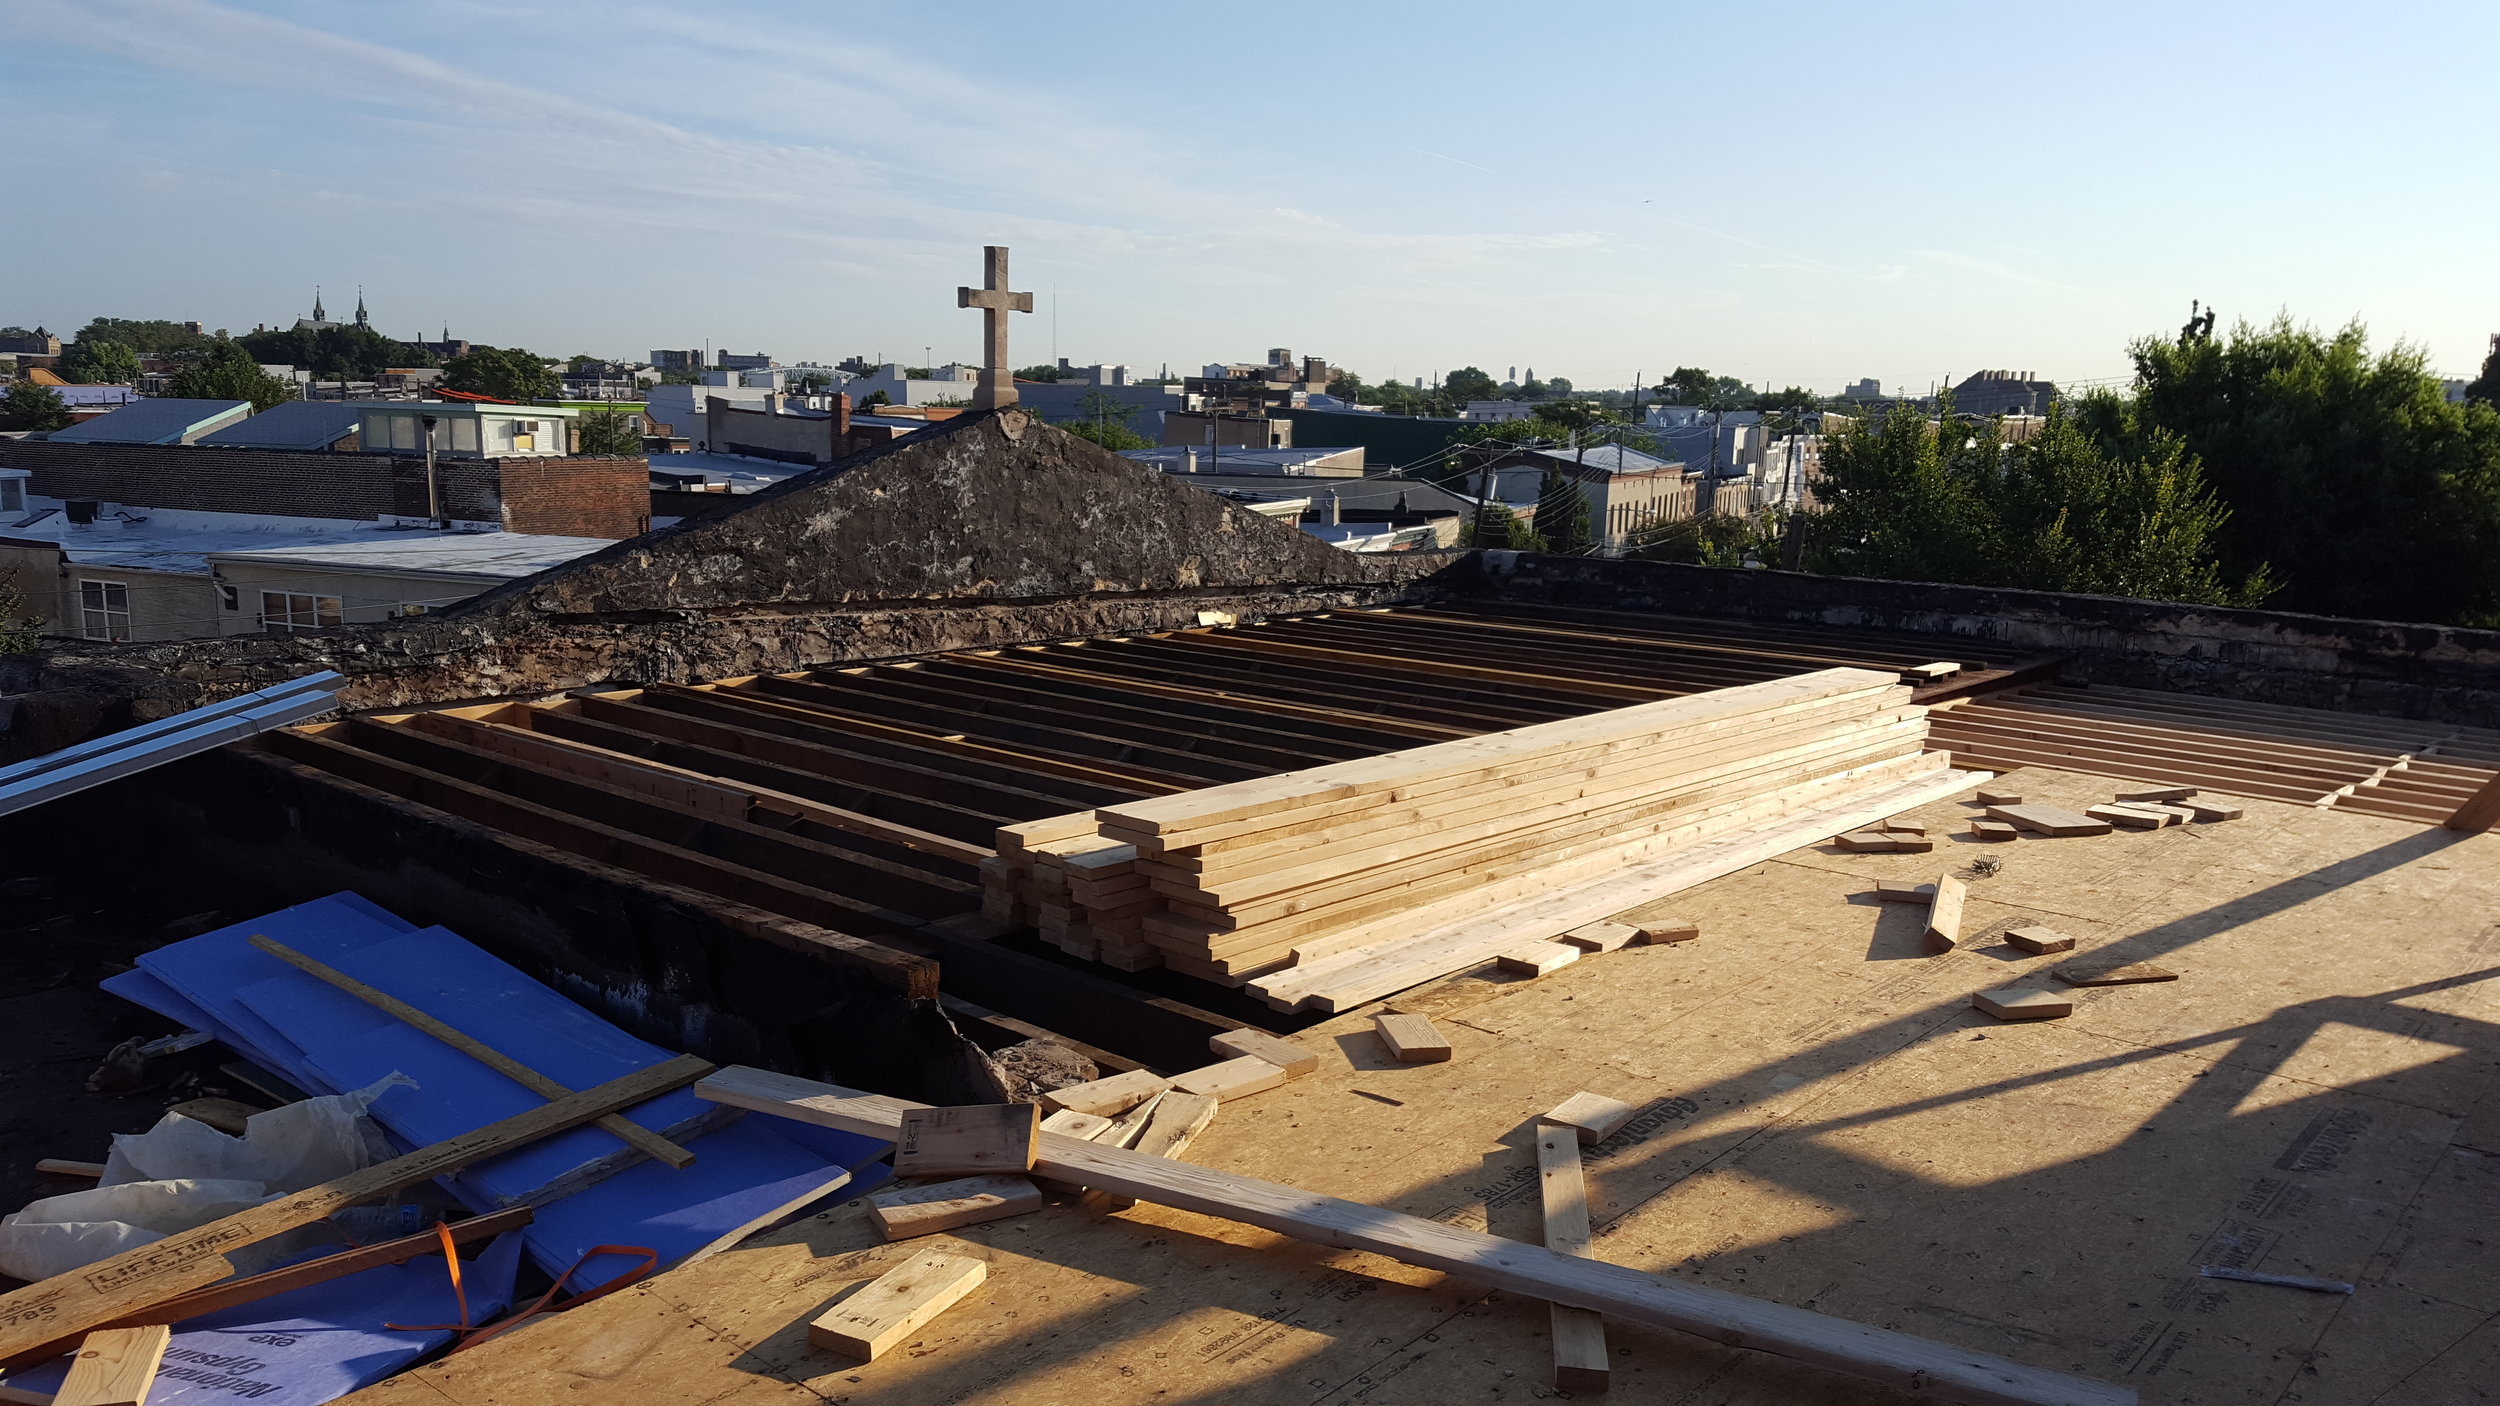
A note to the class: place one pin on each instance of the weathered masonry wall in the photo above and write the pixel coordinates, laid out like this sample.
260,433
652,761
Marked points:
2365,666
570,497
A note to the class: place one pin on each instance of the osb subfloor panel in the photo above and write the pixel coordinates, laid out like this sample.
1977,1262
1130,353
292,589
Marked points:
1824,1121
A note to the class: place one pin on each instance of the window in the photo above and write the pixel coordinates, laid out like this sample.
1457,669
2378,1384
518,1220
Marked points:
285,611
104,610
231,596
12,495
464,435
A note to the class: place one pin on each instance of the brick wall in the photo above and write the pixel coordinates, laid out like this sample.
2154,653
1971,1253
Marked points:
565,497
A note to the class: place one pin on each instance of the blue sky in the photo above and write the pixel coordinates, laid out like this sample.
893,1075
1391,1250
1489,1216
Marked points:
1793,193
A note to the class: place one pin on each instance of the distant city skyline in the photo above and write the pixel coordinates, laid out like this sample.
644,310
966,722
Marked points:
1809,194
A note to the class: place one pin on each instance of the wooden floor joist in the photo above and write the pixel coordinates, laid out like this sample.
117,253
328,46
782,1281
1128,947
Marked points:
1891,1359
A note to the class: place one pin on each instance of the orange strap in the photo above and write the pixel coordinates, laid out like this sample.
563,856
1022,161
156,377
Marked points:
650,1262
459,1292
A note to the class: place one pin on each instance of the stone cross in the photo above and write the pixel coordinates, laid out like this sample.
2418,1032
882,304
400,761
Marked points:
997,387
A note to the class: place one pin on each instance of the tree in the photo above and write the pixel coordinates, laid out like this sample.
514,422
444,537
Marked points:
2486,387
99,363
146,336
1691,385
811,383
1495,525
348,353
504,373
1110,434
20,632
2351,475
227,372
28,406
1039,373
1467,383
1347,386
607,432
875,399
1562,514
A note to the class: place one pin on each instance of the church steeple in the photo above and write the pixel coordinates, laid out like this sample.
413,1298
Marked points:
361,319
318,315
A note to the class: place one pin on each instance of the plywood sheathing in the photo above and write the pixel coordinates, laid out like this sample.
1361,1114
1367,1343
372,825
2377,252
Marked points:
1819,1125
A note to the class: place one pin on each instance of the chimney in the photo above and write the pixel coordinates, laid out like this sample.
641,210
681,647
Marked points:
841,426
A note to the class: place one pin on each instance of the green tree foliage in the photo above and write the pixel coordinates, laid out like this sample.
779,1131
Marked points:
227,372
146,336
1712,539
99,363
1495,525
1039,373
20,631
1110,434
347,353
811,383
2486,387
1691,385
607,432
28,406
1562,514
2350,475
1467,383
1905,500
504,373
1345,385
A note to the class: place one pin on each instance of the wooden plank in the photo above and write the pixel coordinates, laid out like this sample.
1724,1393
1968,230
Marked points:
1891,1359
2022,1003
1944,914
2000,798
2215,810
2158,794
115,1367
897,1304
1903,891
616,1125
1594,1117
2048,820
1601,937
1412,1039
2039,941
224,1114
981,1139
2129,816
1106,1097
2113,973
946,1205
1177,1120
2480,812
1232,1079
1258,1044
1538,958
1661,932
1994,830
61,1167
1579,1334
128,1282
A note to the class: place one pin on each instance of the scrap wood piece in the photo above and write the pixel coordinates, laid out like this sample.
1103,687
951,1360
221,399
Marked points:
1178,1119
2054,821
1284,1054
1944,914
1659,932
1892,1359
2130,816
226,1115
1902,891
126,1283
2000,798
945,1205
1593,1116
2113,973
2039,941
2159,794
616,1125
1537,958
115,1367
63,1167
1579,1334
1600,937
1929,673
896,1304
2216,810
1234,1078
2286,1281
1412,1039
2022,1003
1105,1098
1996,830
1902,827
1868,842
979,1139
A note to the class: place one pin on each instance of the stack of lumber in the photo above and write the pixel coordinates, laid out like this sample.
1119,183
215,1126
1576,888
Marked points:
1081,891
1256,876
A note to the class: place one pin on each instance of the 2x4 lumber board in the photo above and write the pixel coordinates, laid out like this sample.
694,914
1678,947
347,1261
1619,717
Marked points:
1412,1038
1580,1362
234,1293
2049,820
1358,729
1944,914
1100,731
1592,1118
973,1140
1234,1078
1313,822
1257,678
1294,1060
1366,974
1891,1359
1174,815
893,895
818,725
115,1367
1595,693
1520,812
129,1282
974,784
1418,908
1613,829
902,1213
897,1304
1110,756
1182,729
2480,812
1177,1119
705,795
1105,1098
885,963
616,1125
1535,959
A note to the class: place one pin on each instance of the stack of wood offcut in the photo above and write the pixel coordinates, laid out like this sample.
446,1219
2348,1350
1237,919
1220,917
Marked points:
1255,876
1080,890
